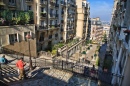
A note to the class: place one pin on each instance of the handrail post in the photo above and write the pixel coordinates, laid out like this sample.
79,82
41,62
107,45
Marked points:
0,70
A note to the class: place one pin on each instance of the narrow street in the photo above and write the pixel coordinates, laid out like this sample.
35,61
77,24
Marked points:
102,53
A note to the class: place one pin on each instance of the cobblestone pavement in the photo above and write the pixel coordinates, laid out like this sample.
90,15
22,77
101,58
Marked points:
55,77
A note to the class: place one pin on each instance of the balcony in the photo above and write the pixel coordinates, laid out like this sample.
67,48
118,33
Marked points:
11,20
42,28
12,5
43,2
57,26
57,5
43,15
52,2
52,15
52,26
29,1
73,5
62,3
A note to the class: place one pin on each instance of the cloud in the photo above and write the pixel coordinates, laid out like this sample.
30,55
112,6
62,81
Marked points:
102,9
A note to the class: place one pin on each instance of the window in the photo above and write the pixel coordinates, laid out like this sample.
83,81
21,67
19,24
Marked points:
56,35
51,11
12,38
12,1
83,4
41,37
29,8
25,33
50,22
42,9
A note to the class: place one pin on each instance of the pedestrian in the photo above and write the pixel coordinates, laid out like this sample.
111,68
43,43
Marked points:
3,60
20,65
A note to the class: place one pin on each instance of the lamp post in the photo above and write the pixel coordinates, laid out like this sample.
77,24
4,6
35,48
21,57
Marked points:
28,36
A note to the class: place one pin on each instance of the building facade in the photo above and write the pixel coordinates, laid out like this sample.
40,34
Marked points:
119,42
106,29
54,20
96,30
83,13
15,24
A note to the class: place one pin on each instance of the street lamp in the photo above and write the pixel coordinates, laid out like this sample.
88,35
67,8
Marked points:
28,36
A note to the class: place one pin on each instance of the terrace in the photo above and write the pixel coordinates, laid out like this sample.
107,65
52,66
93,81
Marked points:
9,17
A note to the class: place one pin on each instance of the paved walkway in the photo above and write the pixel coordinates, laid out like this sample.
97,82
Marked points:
55,77
42,76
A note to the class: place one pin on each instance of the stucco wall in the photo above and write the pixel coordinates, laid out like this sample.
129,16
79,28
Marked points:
126,77
22,45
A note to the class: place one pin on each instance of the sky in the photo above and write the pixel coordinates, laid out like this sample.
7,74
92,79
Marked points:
101,8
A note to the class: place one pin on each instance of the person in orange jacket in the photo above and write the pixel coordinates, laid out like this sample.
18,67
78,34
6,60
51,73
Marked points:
20,65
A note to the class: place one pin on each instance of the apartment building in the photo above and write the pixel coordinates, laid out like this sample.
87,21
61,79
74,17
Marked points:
83,13
96,30
55,21
119,42
48,23
15,24
106,28
68,19
89,29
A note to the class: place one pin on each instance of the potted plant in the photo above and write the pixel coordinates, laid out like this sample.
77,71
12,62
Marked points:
43,14
88,48
16,20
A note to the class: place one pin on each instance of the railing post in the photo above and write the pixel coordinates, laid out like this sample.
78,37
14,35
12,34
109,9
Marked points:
45,62
62,64
0,70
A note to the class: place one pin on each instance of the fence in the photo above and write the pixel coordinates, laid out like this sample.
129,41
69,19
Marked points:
86,71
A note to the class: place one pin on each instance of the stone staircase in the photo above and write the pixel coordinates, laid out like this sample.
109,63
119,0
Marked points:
9,74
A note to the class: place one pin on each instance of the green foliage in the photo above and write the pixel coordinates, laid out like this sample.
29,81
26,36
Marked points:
54,52
84,52
88,48
16,20
31,14
97,62
88,42
95,55
25,17
59,45
21,17
9,16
